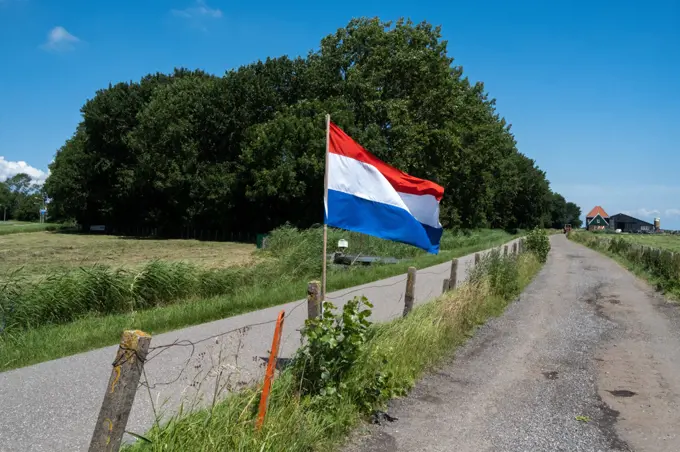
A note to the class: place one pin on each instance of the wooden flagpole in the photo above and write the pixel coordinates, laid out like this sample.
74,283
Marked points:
325,203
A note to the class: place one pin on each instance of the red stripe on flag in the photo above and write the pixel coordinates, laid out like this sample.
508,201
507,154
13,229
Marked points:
343,144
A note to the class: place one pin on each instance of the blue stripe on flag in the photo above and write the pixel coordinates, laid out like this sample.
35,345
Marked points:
380,220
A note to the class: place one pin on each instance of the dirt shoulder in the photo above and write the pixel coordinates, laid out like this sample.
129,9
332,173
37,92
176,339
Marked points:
587,359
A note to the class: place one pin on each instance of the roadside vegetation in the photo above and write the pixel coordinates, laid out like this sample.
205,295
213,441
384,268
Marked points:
66,312
21,227
655,258
348,369
670,242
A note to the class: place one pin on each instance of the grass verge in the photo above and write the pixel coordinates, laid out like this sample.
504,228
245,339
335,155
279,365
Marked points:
658,266
292,262
12,227
392,357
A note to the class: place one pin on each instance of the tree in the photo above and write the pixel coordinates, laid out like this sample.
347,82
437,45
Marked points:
21,197
245,151
5,200
573,215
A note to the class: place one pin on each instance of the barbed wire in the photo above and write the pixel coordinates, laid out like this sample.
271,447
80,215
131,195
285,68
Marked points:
375,286
160,349
156,351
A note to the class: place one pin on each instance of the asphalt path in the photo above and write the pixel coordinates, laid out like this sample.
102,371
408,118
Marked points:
53,406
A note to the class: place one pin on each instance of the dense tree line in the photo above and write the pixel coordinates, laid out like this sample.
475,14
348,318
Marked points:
245,151
563,212
21,198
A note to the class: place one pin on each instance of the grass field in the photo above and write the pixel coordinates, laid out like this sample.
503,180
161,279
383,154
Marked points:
67,312
662,241
20,227
44,253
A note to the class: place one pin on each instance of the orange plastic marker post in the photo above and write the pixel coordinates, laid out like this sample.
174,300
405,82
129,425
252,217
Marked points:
269,375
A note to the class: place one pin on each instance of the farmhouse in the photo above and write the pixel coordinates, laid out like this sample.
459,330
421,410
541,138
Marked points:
629,224
597,219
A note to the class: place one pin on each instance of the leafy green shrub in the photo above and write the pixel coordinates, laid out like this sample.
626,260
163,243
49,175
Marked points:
332,346
537,242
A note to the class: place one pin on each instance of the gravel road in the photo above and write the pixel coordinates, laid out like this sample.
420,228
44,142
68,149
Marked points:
588,359
53,406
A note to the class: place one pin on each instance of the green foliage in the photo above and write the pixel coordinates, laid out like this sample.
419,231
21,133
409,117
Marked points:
538,242
233,291
332,346
292,256
573,216
501,272
21,198
563,213
389,359
245,151
22,228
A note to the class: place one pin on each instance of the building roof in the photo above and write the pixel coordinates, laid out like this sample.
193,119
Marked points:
597,210
623,218
594,220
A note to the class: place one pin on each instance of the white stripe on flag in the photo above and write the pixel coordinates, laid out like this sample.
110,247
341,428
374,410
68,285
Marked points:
424,207
360,179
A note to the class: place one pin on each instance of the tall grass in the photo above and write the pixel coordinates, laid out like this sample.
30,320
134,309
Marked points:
75,311
292,254
403,349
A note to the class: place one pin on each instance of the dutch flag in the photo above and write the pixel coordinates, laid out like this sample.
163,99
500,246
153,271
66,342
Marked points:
367,195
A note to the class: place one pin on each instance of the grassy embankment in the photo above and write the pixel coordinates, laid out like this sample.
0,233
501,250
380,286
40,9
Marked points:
49,311
393,356
20,227
655,258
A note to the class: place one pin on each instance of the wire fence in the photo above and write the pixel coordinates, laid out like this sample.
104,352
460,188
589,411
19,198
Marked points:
193,373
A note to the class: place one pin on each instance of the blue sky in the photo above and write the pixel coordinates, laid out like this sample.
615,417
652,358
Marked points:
592,88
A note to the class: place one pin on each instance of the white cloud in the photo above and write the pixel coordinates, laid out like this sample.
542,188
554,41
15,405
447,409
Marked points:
673,212
198,13
200,9
60,40
643,212
9,169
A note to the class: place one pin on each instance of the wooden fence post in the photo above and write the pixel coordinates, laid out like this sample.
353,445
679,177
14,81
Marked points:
120,392
445,285
478,258
313,299
453,277
410,290
514,248
505,250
